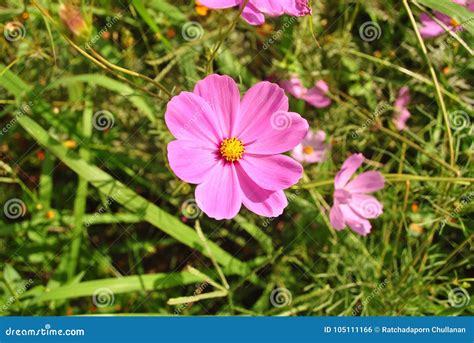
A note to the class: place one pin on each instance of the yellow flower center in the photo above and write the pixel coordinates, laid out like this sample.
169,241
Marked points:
232,149
308,150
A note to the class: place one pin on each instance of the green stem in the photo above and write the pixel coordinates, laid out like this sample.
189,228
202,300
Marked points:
439,96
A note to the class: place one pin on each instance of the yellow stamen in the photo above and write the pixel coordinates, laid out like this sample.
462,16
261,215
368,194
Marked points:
232,149
308,150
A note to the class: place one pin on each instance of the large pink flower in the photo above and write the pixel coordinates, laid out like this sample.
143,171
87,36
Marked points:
315,96
352,206
232,148
401,108
254,12
430,28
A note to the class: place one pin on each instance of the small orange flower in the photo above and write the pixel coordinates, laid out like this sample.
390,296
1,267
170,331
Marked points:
40,155
171,33
377,53
70,144
265,29
416,229
414,207
446,70
50,214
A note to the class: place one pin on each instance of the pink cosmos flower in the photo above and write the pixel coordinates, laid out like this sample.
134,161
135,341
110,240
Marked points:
231,148
312,148
352,206
430,28
254,12
315,96
401,112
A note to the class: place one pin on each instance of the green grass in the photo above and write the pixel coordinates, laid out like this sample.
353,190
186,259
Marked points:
103,228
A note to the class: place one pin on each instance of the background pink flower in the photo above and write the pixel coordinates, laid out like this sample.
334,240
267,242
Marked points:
312,149
232,148
315,96
430,28
254,12
352,205
401,108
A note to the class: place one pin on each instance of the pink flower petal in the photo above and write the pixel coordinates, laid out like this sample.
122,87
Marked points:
336,217
190,117
367,182
355,222
191,162
274,172
316,96
430,28
258,200
222,94
220,195
403,98
258,105
366,206
294,86
348,169
277,134
400,119
252,15
220,3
